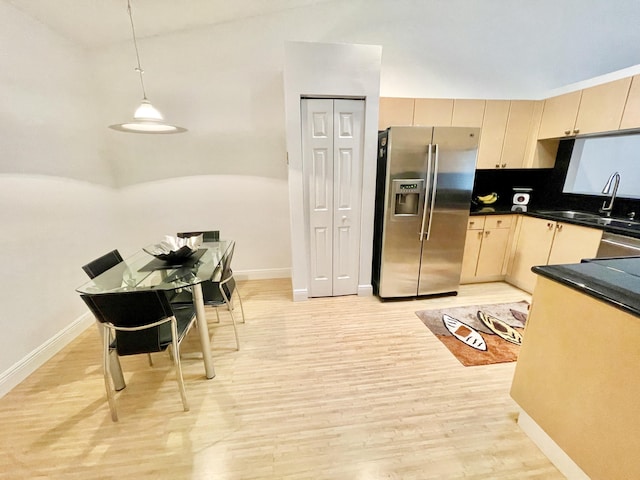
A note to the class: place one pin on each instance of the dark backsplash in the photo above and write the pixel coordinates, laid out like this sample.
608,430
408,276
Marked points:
547,187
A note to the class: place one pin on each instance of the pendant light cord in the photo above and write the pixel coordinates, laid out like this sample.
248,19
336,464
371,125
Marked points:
135,44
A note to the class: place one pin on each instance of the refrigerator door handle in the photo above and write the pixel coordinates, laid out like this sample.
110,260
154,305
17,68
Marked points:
434,187
426,190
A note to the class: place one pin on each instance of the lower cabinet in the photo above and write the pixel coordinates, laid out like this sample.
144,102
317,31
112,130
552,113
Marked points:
486,247
545,242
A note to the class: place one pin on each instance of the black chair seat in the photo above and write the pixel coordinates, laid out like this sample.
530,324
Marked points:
140,322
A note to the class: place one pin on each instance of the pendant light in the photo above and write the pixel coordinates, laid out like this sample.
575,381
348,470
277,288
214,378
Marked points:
146,118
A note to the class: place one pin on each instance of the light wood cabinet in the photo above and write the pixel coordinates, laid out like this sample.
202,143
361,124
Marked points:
430,112
601,107
496,114
545,242
631,114
486,247
592,110
395,111
509,136
433,112
468,113
559,115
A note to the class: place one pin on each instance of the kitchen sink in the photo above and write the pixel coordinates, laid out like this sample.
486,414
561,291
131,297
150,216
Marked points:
570,214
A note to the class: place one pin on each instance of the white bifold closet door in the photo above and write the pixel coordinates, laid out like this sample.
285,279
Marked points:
332,132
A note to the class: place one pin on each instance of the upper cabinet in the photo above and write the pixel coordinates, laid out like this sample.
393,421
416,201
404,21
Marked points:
433,112
631,114
468,113
592,110
395,111
559,115
496,115
509,133
601,107
436,112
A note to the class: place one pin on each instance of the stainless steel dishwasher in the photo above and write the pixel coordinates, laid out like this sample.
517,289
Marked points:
614,245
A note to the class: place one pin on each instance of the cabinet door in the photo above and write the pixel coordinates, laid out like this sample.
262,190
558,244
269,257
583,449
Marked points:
468,113
494,126
492,252
395,111
517,132
601,107
470,256
631,115
433,112
572,243
559,115
532,248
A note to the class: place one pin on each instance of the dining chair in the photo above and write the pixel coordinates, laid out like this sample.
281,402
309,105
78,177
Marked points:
219,292
140,322
207,235
102,264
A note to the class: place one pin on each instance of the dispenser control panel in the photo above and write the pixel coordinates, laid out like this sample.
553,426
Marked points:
407,197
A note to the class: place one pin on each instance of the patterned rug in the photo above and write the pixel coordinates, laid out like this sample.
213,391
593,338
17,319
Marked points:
479,334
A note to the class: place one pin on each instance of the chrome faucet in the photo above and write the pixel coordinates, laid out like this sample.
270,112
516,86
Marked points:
614,180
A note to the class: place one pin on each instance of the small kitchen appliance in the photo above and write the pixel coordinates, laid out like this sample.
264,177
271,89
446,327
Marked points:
521,198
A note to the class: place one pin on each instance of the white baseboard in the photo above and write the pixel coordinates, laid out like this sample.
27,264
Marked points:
365,290
550,448
300,295
34,360
262,274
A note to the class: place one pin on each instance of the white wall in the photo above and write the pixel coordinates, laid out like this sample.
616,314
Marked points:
333,70
56,208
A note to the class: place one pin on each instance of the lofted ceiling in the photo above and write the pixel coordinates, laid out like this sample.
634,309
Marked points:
530,46
97,23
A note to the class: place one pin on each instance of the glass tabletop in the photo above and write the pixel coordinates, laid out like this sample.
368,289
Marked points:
143,271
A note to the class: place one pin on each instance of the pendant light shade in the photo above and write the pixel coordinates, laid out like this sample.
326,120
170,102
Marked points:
146,119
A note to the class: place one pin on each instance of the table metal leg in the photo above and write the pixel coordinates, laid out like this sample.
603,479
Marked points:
203,330
114,362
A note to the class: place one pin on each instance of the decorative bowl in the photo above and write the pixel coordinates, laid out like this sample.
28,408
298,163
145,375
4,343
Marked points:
174,249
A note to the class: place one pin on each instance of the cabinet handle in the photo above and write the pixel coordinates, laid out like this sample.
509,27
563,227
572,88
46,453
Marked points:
576,131
497,165
559,227
479,234
504,165
499,222
471,224
486,234
550,225
567,132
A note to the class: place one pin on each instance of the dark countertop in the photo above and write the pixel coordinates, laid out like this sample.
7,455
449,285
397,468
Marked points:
506,210
615,281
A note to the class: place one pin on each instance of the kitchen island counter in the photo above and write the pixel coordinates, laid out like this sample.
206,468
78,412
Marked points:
615,281
576,379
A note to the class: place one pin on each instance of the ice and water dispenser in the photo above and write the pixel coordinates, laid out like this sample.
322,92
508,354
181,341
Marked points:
407,196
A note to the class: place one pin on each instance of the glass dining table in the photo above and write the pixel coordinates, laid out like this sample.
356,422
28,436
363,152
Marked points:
143,271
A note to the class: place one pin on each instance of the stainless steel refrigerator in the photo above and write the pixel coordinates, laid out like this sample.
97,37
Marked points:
423,194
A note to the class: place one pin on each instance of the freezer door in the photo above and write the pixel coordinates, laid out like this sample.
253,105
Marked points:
403,210
454,153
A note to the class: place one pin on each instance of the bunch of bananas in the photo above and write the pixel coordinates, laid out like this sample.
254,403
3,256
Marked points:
487,199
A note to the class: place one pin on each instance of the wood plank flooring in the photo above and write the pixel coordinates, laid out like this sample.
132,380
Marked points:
331,388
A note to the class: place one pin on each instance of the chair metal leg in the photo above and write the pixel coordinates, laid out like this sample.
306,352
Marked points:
240,300
235,330
106,341
150,360
178,365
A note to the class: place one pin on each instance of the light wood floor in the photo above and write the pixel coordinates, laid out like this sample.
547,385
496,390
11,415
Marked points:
334,388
